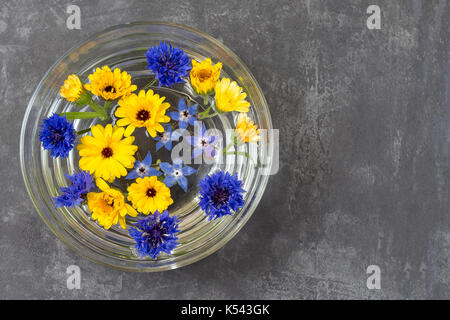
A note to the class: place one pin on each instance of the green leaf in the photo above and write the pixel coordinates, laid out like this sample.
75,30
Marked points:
81,115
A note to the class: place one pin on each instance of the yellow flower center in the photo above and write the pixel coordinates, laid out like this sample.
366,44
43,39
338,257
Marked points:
204,74
109,89
107,152
143,115
151,192
109,200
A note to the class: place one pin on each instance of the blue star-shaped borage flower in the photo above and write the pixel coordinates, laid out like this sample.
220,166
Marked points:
184,115
203,143
79,186
176,173
168,63
155,234
143,169
164,139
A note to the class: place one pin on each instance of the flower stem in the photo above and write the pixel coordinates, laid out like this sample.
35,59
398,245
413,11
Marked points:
98,108
245,154
107,105
149,84
201,114
79,133
208,115
228,147
205,100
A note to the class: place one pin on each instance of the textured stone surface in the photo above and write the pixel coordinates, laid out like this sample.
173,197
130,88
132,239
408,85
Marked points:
365,138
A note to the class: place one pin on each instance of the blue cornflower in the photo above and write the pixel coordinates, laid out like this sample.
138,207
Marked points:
79,186
220,193
184,115
176,173
57,135
164,139
155,234
168,63
203,143
143,169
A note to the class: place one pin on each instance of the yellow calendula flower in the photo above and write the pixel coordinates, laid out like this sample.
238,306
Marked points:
105,154
149,195
204,76
72,88
110,85
109,207
229,97
143,110
246,130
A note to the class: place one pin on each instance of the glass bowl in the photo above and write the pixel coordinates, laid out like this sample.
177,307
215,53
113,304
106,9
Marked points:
124,46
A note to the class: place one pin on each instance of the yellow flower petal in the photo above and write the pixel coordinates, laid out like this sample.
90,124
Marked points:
105,154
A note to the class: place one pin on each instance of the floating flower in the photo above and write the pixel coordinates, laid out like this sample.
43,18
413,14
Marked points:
149,195
164,139
144,110
229,97
110,85
184,115
79,186
246,130
155,234
203,143
220,194
105,154
57,135
72,88
169,64
143,169
176,173
204,76
109,207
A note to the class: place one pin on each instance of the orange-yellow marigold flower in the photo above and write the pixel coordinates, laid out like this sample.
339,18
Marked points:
110,85
149,195
72,88
109,207
245,128
204,76
143,110
229,97
105,154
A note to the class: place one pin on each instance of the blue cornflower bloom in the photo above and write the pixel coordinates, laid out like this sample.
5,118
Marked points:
57,135
184,115
155,234
168,63
176,173
143,169
79,186
164,139
220,194
203,143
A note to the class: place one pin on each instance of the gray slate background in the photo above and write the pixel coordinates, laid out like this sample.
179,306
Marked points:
365,148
